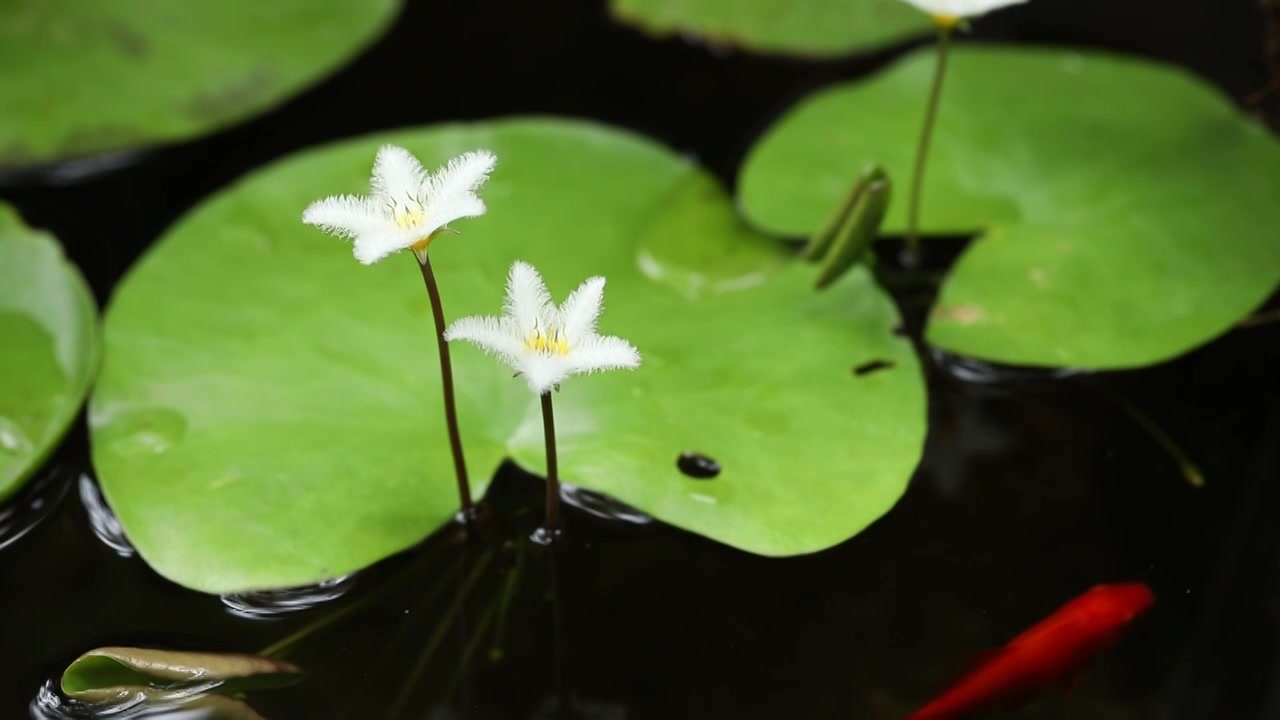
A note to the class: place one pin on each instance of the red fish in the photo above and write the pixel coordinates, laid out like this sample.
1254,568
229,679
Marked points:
1051,652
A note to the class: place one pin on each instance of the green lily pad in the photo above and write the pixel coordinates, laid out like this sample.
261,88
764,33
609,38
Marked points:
110,673
817,28
269,409
1127,212
48,322
84,77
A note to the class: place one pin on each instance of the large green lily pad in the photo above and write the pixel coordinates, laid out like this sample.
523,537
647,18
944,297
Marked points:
1127,212
269,409
817,28
48,347
84,77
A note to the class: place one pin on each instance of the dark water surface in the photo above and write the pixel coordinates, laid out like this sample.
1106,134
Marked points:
1032,489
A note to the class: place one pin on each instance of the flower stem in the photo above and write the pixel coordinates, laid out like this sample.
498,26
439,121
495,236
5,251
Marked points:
922,150
553,474
446,379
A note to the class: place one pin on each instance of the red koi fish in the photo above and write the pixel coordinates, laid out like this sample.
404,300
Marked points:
1051,652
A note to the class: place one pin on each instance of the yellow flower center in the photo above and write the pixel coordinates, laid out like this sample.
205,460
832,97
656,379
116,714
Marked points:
552,343
946,22
409,215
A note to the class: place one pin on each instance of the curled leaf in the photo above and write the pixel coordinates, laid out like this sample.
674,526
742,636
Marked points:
820,242
110,674
857,232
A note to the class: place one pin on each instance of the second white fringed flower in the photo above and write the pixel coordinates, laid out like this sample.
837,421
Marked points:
408,206
543,343
957,9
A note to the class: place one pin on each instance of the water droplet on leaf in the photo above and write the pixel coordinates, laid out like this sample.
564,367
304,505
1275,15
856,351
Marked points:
697,465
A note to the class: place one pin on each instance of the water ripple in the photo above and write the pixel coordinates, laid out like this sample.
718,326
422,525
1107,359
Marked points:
274,603
978,372
49,704
103,520
602,506
21,513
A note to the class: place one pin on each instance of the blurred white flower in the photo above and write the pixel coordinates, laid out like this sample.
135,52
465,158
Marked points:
951,11
408,206
544,343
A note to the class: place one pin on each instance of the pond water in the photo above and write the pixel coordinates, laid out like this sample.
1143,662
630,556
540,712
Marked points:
1034,486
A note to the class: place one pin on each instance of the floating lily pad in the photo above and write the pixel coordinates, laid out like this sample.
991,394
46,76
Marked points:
84,77
269,411
1127,212
48,347
817,28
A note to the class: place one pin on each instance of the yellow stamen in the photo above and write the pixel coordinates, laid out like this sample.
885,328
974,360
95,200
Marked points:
409,215
548,344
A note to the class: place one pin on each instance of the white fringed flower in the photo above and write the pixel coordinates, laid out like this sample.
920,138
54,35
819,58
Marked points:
408,206
951,11
544,343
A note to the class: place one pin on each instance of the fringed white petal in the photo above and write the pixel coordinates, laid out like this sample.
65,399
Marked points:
962,8
603,352
450,193
397,175
543,372
528,302
580,311
345,216
494,335
362,219
373,246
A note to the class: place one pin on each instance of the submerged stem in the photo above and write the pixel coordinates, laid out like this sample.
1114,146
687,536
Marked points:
428,650
553,473
1190,471
565,708
926,133
446,379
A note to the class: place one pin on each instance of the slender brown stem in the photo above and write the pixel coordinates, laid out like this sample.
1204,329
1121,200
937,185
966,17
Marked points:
922,150
446,379
553,473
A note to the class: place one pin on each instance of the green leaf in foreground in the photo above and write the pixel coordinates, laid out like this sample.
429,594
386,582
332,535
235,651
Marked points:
268,413
48,347
1127,212
102,673
818,28
84,77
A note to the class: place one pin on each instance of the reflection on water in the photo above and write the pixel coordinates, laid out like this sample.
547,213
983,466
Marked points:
602,506
48,704
978,372
21,513
102,520
273,603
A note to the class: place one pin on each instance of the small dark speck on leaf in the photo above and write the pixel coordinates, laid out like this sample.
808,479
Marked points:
899,330
867,368
697,465
128,41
